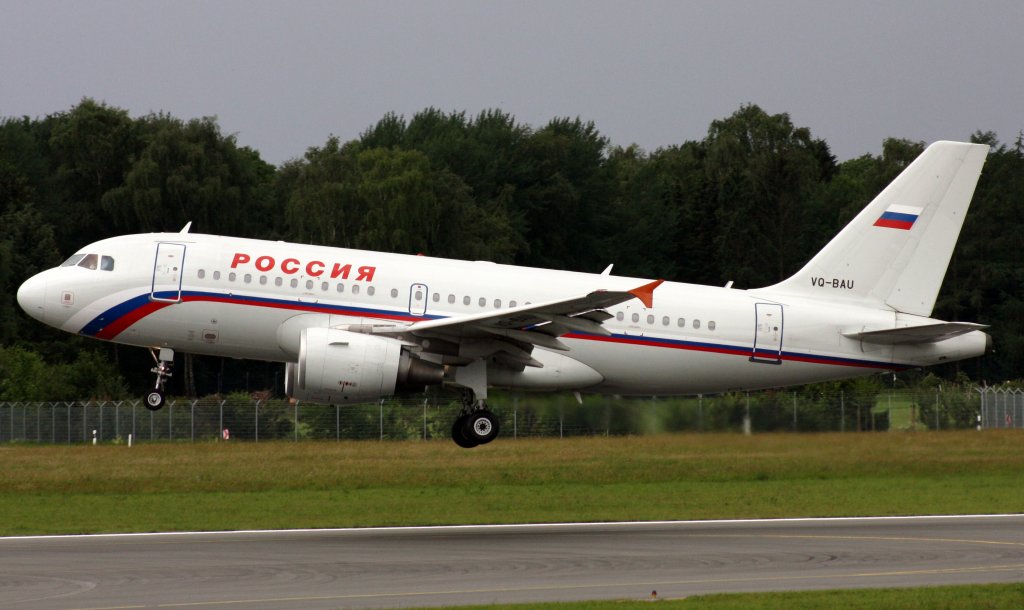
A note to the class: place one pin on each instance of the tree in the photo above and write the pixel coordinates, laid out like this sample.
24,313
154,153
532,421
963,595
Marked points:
766,177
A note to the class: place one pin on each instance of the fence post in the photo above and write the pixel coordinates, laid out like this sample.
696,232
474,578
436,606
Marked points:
134,435
256,411
381,419
936,408
337,423
170,421
842,411
794,411
295,425
193,418
425,418
220,420
746,417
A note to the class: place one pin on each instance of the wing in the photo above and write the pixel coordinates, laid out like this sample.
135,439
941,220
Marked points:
510,334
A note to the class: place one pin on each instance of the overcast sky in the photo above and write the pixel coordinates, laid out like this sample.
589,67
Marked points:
283,76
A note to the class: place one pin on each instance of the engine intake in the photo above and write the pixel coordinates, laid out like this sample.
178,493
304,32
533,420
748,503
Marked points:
340,366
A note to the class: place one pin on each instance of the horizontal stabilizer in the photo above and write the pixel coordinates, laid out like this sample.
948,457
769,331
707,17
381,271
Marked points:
912,335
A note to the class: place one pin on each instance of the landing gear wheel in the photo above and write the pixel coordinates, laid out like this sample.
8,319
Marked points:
459,436
480,427
164,359
154,400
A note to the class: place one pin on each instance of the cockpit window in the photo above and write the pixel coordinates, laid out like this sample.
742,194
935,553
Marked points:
89,261
71,262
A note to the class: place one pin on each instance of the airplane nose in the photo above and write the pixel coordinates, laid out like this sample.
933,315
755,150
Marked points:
32,297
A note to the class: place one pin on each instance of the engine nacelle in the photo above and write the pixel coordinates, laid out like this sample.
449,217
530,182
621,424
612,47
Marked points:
338,366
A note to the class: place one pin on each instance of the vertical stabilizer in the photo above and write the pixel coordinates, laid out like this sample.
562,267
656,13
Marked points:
896,251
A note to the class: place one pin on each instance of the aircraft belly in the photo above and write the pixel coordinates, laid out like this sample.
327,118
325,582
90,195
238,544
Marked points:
211,328
646,370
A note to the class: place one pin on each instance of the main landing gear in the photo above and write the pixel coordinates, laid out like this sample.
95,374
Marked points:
154,399
476,425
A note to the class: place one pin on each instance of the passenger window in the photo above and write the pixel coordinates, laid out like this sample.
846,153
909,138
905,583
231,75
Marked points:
294,283
696,323
665,321
247,278
107,263
370,290
511,303
635,318
341,287
89,261
497,303
309,284
394,293
619,316
650,319
436,297
231,276
355,289
451,298
216,275
465,300
201,273
263,280
483,302
419,295
711,325
325,286
277,281
682,323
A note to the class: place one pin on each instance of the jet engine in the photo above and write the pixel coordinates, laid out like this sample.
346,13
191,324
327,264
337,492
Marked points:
337,366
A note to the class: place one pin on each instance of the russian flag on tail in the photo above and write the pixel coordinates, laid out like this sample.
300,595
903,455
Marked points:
898,217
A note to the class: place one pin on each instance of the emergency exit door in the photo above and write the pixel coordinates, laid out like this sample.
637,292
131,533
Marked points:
418,299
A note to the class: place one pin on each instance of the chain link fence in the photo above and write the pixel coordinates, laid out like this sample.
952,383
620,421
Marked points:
520,415
1001,408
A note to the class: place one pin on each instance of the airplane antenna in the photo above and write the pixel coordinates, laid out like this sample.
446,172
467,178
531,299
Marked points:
188,225
608,269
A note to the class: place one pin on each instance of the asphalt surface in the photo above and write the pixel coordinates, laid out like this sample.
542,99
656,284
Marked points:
404,567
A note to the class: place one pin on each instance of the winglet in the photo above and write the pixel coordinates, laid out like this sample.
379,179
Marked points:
646,293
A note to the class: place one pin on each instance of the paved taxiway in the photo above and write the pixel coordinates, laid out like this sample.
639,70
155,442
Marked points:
462,565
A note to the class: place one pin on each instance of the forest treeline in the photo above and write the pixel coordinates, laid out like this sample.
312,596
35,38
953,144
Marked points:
750,203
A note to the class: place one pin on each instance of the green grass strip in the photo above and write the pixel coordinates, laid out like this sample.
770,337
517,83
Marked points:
967,597
220,486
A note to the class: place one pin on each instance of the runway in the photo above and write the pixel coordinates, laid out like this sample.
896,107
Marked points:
405,567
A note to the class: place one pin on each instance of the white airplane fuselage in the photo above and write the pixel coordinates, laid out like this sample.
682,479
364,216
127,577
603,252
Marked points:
695,339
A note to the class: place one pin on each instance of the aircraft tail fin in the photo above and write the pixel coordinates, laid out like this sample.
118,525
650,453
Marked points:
896,251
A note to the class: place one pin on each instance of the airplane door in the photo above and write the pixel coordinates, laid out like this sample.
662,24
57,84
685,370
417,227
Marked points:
768,334
418,299
167,270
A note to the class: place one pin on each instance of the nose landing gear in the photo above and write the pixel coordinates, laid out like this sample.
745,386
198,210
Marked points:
154,399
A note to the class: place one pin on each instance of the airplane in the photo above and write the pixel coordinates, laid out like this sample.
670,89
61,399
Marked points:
355,325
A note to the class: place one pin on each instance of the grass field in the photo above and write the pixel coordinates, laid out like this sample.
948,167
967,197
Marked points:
987,597
216,486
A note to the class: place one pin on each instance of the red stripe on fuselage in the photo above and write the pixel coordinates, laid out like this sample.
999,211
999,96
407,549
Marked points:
121,324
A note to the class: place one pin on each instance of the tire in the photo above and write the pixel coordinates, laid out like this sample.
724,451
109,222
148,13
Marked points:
458,434
481,427
154,400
